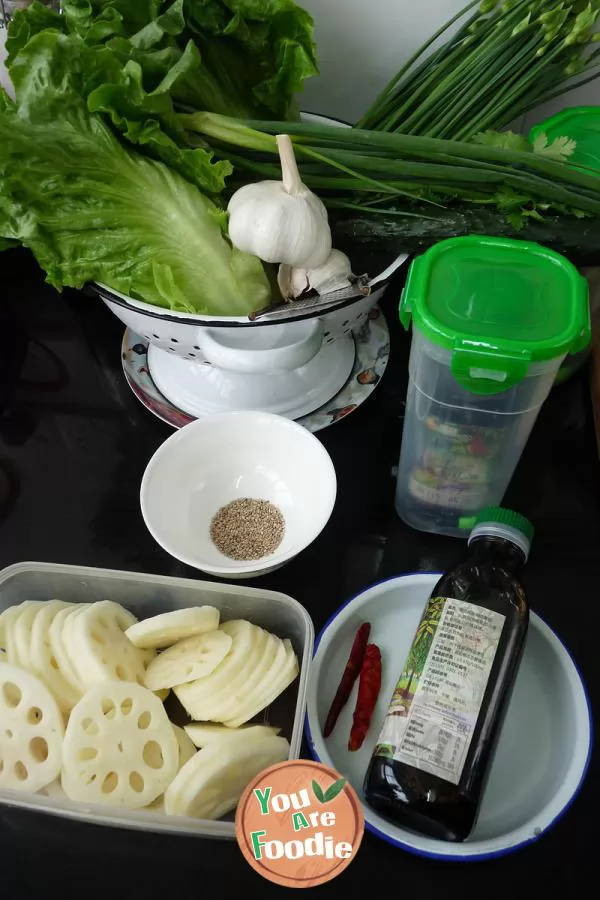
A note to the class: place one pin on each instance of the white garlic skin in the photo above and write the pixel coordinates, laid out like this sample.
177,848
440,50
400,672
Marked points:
334,275
279,228
292,282
281,221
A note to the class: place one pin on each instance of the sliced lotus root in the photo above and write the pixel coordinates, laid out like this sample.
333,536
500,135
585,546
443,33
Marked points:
275,684
168,628
196,696
31,731
43,660
99,648
57,631
22,627
239,698
120,748
195,657
204,733
213,781
220,698
54,791
187,748
147,655
7,620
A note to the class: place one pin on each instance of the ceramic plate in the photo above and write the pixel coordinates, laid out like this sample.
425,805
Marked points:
543,750
372,354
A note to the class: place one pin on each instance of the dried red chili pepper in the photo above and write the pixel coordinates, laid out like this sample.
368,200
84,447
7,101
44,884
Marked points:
351,673
368,691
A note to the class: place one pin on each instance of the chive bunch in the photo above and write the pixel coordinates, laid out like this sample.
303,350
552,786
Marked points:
504,59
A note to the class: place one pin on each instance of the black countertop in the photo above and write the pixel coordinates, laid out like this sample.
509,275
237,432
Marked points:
73,446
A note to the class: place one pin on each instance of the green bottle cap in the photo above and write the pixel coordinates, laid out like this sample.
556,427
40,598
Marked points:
498,305
496,521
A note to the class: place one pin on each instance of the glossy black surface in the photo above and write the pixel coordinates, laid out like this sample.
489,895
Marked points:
73,446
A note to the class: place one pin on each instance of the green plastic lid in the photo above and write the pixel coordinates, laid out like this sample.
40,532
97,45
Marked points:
498,305
580,124
496,521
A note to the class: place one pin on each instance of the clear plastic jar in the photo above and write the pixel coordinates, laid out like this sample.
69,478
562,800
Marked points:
460,449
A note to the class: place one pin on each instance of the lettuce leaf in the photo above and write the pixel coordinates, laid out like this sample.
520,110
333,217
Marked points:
91,209
149,60
252,55
256,55
114,84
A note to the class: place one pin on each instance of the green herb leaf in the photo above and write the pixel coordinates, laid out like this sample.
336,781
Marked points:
508,140
560,149
508,200
517,220
317,791
334,789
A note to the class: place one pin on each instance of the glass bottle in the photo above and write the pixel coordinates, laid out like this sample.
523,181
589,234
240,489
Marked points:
430,763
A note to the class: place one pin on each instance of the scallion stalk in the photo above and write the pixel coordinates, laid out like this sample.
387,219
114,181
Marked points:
347,165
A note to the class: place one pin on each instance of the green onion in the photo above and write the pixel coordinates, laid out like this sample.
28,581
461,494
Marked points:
372,170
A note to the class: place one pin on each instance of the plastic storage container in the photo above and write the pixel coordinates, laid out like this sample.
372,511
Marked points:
492,321
145,596
581,126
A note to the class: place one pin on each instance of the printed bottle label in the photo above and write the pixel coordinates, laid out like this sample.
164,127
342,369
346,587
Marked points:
436,703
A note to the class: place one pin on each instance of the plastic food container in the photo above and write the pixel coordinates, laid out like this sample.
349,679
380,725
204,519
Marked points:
147,595
493,320
578,124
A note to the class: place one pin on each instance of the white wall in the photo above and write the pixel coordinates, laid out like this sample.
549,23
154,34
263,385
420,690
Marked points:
362,43
4,80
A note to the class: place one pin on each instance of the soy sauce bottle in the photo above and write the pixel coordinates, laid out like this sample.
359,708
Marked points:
430,763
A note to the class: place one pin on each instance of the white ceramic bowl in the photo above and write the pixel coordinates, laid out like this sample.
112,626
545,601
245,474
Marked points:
544,748
222,458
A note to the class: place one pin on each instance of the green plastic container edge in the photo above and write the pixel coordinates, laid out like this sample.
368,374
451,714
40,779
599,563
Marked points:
566,121
558,118
509,357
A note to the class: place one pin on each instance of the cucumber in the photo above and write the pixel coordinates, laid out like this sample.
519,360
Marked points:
372,242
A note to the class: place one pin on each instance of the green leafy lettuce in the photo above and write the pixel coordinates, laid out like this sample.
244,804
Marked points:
151,60
143,113
245,58
91,209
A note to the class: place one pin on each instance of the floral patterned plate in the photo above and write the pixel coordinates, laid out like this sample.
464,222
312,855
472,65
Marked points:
372,354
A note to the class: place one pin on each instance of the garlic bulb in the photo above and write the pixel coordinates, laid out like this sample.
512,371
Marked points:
334,275
292,282
281,221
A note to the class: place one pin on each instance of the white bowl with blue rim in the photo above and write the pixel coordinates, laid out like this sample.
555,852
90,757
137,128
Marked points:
543,751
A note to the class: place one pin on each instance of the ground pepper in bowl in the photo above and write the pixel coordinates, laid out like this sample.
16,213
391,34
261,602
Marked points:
247,529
